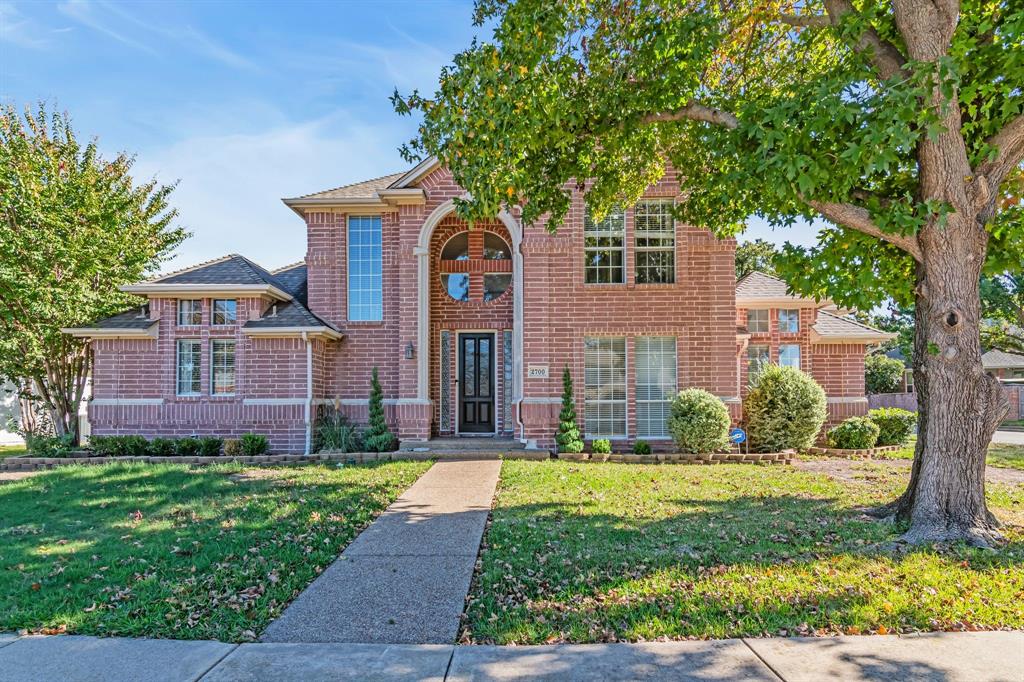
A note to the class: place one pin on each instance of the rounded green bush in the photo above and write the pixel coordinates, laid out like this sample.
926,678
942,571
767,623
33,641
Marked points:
882,374
601,446
641,447
894,425
785,409
699,422
161,447
855,433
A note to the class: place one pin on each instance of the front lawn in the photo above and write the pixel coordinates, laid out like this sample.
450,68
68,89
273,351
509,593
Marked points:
607,552
171,551
1004,455
11,450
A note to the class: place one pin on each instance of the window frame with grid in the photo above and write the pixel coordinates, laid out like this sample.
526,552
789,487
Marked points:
792,316
763,325
601,237
227,316
364,267
654,244
605,371
195,368
194,312
764,358
799,353
651,410
225,363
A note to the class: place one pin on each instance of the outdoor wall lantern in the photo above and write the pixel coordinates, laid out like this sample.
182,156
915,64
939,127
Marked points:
410,351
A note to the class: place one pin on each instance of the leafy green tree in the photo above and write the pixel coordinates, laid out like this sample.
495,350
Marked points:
74,227
568,437
756,255
899,123
1002,304
377,437
882,374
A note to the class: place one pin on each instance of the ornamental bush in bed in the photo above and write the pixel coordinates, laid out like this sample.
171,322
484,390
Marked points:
895,425
855,433
699,422
785,409
161,447
254,444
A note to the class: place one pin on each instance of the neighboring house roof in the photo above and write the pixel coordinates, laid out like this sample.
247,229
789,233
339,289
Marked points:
759,289
998,359
831,328
130,323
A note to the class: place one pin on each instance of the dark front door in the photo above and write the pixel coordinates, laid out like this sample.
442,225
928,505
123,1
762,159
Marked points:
476,383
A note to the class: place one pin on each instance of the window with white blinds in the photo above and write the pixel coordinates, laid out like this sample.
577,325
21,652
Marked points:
605,387
655,384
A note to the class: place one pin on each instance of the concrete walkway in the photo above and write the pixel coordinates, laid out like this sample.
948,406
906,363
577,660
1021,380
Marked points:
405,578
939,657
1009,437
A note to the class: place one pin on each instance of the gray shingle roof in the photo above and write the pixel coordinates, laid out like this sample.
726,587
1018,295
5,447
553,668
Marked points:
136,318
290,314
293,277
829,325
366,189
231,269
995,359
759,285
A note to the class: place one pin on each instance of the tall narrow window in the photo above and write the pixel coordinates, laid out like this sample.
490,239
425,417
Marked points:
757,321
364,269
190,312
757,357
655,384
604,394
222,367
789,321
789,355
189,358
654,232
225,311
604,248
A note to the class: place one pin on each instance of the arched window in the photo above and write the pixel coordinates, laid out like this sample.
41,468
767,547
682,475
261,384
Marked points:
475,266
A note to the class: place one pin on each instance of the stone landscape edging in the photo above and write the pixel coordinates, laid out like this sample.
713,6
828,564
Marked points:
865,453
683,458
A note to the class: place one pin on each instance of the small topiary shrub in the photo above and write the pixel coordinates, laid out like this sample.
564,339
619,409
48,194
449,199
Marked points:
187,447
378,437
568,437
119,446
162,447
894,425
334,433
601,446
699,422
785,409
641,447
49,446
232,447
855,433
210,446
254,444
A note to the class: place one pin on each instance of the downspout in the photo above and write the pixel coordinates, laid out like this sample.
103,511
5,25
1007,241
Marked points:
309,393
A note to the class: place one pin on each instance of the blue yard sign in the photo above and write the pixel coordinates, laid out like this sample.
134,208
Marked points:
737,435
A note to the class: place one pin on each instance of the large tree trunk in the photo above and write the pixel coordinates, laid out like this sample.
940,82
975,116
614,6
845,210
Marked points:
959,405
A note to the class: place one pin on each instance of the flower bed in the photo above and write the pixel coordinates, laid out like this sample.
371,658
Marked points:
867,453
683,458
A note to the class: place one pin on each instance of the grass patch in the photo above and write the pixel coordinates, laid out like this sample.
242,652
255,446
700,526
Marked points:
1014,422
1004,455
12,450
163,550
609,552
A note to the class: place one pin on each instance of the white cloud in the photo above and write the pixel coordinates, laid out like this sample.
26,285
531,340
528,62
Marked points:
17,29
83,12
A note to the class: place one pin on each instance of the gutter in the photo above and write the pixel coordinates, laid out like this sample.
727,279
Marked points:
308,407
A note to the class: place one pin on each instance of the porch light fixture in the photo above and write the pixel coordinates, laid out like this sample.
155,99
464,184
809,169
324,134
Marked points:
410,351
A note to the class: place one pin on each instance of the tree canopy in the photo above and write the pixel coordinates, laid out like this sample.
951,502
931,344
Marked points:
757,255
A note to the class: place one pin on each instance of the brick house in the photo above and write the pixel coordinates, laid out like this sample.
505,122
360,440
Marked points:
469,327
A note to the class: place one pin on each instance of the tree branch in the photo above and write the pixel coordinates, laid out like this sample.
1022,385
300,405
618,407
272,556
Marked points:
883,55
806,20
858,218
1010,145
695,111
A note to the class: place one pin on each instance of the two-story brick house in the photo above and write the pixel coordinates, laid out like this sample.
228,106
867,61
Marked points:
470,327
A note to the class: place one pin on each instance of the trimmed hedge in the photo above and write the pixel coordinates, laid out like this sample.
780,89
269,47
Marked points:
894,425
138,446
785,409
699,422
254,444
855,433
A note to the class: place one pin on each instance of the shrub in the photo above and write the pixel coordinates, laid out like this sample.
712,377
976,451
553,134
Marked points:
895,425
49,446
568,437
699,422
882,374
855,433
334,432
641,447
254,444
601,446
162,447
378,437
210,446
119,446
187,447
232,447
785,409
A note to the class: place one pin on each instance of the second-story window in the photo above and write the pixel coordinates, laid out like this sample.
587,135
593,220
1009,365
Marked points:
654,233
365,280
757,321
190,312
604,248
789,321
225,311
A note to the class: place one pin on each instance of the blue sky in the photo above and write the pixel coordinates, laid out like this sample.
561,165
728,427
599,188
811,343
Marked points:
242,103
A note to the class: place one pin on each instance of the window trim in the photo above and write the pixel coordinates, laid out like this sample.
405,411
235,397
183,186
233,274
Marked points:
349,306
214,367
213,312
588,435
767,355
647,401
796,315
195,344
799,355
654,234
595,233
767,321
178,317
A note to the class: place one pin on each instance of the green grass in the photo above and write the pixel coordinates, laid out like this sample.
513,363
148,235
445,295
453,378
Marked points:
1004,455
607,552
1013,422
11,450
169,551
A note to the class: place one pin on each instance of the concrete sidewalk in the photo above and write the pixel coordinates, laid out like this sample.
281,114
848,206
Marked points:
945,657
405,578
